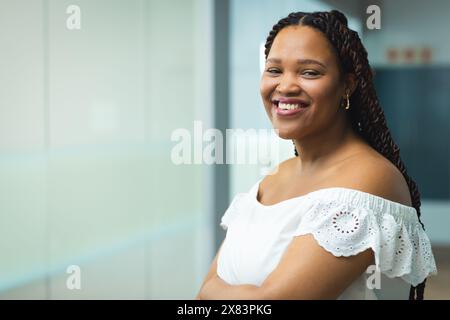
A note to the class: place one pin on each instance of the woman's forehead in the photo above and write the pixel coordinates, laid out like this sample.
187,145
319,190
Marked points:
301,42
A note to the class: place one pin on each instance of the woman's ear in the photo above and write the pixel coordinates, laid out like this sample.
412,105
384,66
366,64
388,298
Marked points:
350,83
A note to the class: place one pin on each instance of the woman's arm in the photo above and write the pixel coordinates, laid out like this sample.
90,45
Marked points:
214,288
211,273
306,271
217,289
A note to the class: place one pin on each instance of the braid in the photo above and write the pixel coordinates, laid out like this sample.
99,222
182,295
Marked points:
366,117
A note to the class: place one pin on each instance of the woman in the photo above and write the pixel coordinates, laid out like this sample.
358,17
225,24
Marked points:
341,219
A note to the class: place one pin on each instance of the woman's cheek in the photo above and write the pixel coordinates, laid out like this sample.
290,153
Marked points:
267,88
319,90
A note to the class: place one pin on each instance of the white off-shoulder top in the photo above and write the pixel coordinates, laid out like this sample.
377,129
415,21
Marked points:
344,222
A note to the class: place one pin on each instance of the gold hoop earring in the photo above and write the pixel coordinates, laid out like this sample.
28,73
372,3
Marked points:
348,103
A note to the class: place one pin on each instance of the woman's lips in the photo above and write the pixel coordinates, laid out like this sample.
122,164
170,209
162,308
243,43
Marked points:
291,101
289,112
282,112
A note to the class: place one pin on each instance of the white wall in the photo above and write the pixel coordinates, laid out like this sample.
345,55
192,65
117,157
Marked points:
86,118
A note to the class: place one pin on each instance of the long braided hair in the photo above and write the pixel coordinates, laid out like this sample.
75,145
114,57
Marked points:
366,115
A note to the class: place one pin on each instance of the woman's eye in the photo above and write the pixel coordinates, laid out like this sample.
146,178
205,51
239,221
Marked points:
310,73
272,70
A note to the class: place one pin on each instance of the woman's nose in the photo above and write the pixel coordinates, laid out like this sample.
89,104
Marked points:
288,85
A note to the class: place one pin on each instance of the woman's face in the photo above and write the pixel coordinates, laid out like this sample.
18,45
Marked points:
301,85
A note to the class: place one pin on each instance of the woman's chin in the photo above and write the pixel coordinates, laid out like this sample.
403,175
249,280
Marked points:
286,133
283,134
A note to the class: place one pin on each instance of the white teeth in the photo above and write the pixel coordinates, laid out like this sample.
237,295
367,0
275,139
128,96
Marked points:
287,106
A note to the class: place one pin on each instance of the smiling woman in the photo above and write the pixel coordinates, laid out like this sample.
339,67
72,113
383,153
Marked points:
344,207
302,72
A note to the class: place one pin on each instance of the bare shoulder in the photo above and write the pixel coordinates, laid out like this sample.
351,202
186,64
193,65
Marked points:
377,175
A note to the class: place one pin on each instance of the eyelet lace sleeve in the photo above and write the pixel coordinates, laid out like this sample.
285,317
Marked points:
231,212
394,233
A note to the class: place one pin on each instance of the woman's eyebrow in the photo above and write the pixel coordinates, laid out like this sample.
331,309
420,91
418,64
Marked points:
299,61
311,61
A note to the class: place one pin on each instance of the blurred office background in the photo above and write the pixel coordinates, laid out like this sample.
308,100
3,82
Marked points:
86,118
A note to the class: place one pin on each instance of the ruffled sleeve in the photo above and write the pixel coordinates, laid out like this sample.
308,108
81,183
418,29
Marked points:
346,222
231,212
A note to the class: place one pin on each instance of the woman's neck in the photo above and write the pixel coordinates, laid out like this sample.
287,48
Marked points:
327,149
